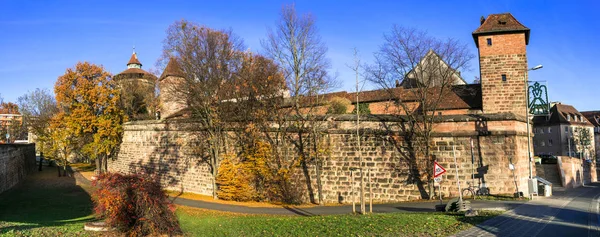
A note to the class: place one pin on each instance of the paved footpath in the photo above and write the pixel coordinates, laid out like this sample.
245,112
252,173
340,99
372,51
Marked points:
345,209
572,212
427,206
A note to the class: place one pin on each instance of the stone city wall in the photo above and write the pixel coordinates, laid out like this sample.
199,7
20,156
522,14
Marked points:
498,139
16,161
571,175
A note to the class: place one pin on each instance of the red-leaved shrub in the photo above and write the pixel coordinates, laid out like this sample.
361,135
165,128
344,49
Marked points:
134,204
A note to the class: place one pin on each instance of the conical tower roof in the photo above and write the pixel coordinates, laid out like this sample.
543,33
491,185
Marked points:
134,60
172,69
135,71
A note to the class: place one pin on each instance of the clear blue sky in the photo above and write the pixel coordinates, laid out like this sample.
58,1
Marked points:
40,39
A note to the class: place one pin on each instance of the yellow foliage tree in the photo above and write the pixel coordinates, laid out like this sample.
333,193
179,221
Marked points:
88,103
232,181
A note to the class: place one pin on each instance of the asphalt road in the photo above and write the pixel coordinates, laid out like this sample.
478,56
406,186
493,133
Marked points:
578,218
571,212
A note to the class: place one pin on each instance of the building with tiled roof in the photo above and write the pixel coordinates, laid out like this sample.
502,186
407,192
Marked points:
411,79
500,24
558,134
137,90
486,124
594,118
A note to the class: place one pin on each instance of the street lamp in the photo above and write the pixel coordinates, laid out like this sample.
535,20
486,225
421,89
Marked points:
528,132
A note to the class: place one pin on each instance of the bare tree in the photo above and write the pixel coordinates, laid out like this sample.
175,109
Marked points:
38,107
296,46
137,99
418,71
209,60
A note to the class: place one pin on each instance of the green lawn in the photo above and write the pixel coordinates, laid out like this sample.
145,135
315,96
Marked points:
45,205
199,222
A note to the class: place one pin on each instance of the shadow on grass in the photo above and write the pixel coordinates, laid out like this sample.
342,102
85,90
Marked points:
44,200
416,209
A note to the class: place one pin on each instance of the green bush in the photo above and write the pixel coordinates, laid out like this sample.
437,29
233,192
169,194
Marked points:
338,105
363,108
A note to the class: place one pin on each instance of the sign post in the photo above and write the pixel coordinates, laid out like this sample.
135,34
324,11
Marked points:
438,170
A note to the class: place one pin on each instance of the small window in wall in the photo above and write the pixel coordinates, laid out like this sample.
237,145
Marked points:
489,41
543,143
568,117
541,130
550,142
503,77
549,129
566,129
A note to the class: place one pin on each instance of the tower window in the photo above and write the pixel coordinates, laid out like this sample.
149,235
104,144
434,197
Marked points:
489,41
503,77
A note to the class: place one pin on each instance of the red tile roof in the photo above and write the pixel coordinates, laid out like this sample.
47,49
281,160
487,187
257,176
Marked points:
500,23
134,73
459,97
134,60
593,117
172,69
558,115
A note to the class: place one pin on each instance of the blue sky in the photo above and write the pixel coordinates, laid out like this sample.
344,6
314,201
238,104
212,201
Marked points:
39,40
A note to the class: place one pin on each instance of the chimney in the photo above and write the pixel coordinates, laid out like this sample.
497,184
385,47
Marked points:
397,83
482,20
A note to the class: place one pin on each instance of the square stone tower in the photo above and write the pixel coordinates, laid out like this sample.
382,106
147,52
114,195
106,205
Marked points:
501,41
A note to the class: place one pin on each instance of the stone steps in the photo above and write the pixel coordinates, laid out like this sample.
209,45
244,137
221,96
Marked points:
550,173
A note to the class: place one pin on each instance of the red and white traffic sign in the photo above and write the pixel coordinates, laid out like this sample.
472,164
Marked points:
438,169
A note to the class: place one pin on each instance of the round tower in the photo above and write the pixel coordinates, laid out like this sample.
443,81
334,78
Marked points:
501,41
137,90
172,98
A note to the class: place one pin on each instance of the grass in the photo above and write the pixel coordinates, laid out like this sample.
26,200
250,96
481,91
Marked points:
45,205
200,222
83,167
206,198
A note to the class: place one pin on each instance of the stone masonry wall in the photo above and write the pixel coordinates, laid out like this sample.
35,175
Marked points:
571,171
16,161
159,146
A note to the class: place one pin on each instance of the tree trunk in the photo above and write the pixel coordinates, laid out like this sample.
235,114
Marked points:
41,160
305,170
319,186
58,168
105,159
98,165
66,173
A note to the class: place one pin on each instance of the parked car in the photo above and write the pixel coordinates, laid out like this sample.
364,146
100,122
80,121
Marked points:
548,159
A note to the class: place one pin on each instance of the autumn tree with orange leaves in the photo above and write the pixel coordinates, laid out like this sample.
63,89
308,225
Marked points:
89,119
223,86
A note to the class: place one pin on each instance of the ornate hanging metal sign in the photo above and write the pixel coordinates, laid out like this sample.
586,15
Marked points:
538,99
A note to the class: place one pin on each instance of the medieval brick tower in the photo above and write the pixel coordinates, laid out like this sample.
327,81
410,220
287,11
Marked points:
501,41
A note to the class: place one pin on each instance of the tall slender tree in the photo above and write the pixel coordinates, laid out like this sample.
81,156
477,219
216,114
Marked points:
296,46
38,107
